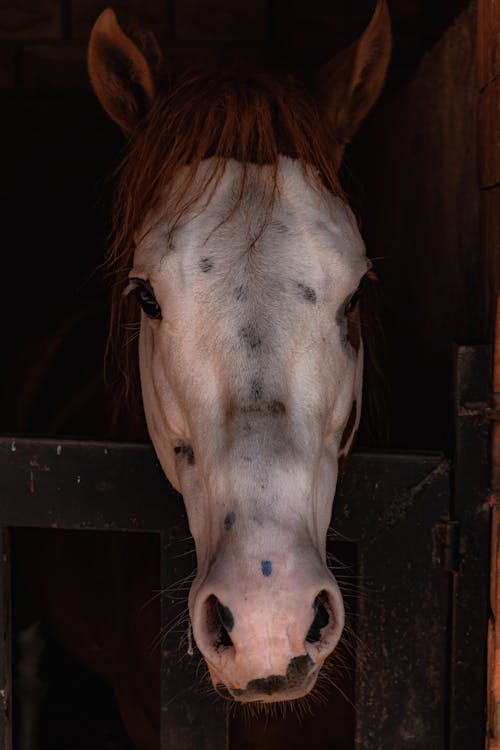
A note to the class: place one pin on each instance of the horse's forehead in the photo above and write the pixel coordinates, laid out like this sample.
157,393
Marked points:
282,206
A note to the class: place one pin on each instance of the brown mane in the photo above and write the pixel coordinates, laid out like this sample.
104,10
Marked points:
250,118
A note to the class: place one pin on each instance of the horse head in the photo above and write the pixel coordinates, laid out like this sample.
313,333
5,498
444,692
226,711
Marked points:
247,265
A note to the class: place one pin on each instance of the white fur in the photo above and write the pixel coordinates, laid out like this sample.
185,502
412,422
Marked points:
276,472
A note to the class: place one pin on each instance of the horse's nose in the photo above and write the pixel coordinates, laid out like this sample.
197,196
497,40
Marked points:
260,651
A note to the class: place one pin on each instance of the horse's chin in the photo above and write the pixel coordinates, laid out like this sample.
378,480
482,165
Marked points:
252,695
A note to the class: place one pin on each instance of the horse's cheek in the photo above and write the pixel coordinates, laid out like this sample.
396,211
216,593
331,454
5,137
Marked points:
163,417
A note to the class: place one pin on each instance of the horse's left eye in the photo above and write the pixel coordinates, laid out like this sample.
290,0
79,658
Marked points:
353,301
146,298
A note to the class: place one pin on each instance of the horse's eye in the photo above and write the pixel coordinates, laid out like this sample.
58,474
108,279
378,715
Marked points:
353,301
146,298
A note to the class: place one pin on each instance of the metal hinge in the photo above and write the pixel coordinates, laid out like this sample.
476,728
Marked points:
447,545
485,411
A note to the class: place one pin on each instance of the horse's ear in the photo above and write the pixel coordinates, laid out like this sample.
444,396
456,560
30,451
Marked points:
119,73
350,84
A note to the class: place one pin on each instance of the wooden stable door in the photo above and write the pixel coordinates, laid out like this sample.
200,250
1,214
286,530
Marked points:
488,57
417,528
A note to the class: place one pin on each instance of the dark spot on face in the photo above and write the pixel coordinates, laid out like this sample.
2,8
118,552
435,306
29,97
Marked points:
277,407
186,451
250,337
279,227
296,674
241,293
206,264
257,406
267,567
348,429
298,667
256,390
275,683
229,521
322,226
308,293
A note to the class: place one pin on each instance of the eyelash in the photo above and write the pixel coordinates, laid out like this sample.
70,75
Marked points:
145,296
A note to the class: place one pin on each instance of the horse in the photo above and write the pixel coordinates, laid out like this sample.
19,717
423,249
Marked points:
247,266
238,260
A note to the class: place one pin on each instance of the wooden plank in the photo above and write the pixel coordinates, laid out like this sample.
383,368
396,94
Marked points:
402,613
489,135
85,485
192,714
470,506
51,483
488,41
490,235
402,624
496,396
394,484
493,708
5,644
92,485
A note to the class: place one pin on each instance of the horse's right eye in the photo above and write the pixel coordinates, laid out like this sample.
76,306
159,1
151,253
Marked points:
146,298
353,301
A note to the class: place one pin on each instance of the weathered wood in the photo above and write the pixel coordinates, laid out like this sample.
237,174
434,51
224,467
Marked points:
490,235
387,506
234,22
402,619
493,709
120,486
470,583
85,485
488,57
489,135
5,644
416,165
50,483
192,714
488,41
493,712
24,19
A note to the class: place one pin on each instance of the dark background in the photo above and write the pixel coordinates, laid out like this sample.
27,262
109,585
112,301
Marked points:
411,175
58,151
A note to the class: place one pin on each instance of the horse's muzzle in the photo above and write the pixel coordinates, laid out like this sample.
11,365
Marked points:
267,654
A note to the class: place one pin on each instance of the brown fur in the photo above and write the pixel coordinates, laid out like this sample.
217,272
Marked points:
348,429
354,329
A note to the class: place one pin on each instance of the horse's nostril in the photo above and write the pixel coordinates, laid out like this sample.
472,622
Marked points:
225,616
219,622
321,619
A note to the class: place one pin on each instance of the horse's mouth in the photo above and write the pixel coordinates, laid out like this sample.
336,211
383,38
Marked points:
272,689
